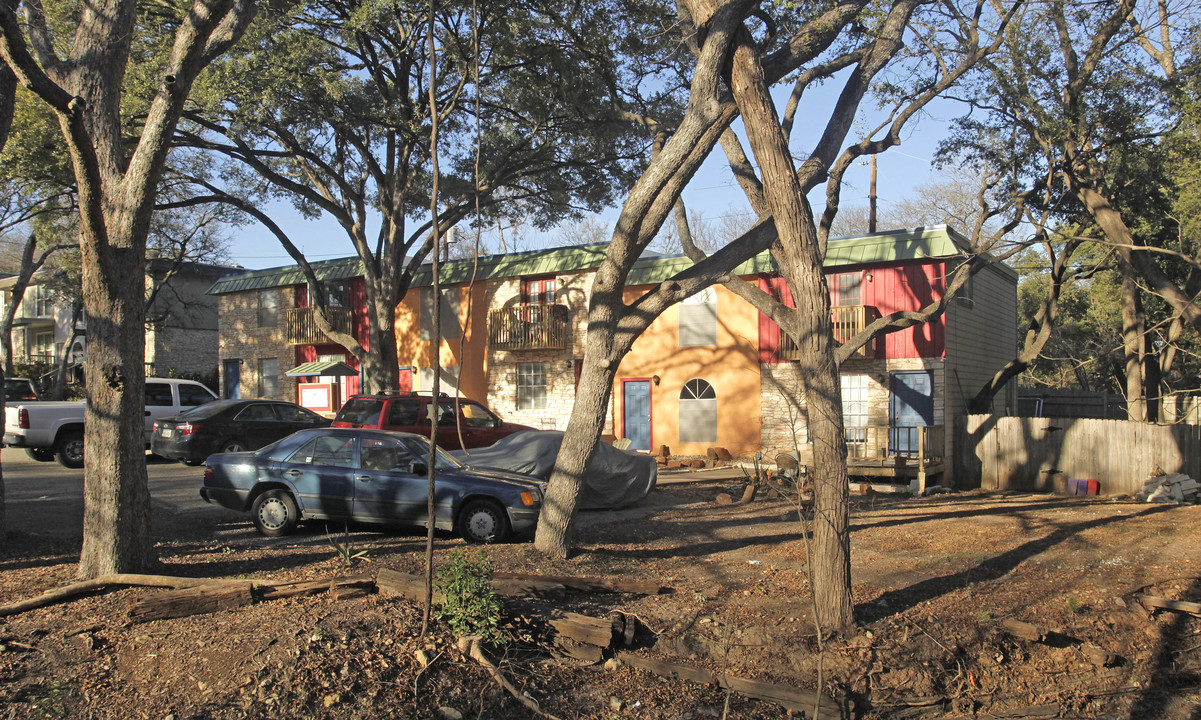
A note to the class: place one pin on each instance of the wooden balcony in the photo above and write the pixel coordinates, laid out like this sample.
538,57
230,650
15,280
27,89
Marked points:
848,321
300,326
896,453
529,327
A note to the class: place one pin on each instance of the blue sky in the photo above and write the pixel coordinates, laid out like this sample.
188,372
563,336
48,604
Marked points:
712,191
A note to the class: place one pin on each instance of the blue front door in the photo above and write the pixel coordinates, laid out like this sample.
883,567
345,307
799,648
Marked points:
636,409
233,379
911,406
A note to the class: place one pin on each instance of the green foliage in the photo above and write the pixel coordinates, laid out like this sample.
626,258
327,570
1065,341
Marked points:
48,702
344,547
469,604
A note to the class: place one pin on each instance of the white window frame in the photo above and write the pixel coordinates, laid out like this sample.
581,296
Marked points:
531,386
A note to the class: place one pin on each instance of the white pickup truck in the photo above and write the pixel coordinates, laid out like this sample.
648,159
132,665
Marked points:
54,430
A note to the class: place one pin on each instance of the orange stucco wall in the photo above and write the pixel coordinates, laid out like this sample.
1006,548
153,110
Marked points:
731,366
472,361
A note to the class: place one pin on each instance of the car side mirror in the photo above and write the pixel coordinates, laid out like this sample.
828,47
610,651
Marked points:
419,468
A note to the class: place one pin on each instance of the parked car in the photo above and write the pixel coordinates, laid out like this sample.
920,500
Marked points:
372,476
228,426
409,412
615,479
19,390
55,429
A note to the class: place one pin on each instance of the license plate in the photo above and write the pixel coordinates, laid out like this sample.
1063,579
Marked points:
168,432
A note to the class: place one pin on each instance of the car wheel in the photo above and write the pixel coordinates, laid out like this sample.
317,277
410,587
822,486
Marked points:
232,446
69,450
483,521
275,513
40,454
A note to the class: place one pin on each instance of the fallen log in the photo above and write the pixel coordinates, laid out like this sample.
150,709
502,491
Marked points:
601,632
192,601
105,582
1025,630
340,587
786,696
239,593
1152,602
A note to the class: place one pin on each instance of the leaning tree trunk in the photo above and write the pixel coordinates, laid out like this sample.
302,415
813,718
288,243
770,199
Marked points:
601,360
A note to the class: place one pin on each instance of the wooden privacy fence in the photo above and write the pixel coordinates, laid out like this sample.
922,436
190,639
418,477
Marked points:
1017,453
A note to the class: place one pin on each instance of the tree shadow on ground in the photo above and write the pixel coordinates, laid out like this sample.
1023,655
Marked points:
921,514
1166,672
894,602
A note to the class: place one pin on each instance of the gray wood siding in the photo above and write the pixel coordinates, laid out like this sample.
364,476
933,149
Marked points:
981,339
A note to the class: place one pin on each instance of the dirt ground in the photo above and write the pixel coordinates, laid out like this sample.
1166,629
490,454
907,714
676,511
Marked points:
933,580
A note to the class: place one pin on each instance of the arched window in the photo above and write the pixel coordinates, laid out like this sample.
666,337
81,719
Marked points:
698,412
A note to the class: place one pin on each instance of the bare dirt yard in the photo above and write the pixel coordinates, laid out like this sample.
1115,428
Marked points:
938,582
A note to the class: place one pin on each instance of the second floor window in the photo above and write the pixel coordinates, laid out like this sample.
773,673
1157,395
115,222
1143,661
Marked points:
844,288
268,308
698,319
538,291
449,313
44,302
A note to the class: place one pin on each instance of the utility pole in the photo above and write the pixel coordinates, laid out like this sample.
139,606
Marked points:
871,198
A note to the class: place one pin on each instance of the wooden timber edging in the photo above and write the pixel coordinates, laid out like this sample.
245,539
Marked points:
786,696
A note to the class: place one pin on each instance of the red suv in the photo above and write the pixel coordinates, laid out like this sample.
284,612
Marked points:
409,412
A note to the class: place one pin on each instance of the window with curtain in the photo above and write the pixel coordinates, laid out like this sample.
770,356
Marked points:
531,386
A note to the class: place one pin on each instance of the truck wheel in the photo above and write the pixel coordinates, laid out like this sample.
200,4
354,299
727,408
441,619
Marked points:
40,454
69,450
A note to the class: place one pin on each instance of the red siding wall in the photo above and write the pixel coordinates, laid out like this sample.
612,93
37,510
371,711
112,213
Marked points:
892,288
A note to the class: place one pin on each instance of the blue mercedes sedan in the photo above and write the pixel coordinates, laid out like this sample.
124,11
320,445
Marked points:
371,476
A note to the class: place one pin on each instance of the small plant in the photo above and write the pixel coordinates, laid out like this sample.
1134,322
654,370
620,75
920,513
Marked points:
469,604
1075,606
984,616
344,547
49,705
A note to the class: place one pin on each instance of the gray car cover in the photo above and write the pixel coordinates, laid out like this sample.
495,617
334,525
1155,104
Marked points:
616,478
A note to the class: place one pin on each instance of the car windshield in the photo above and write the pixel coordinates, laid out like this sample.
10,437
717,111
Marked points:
361,411
420,447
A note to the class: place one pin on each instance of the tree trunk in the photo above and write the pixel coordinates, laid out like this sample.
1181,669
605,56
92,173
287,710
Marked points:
554,534
116,527
1133,328
799,256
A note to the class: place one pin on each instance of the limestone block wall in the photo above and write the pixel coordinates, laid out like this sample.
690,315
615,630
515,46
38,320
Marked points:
242,339
785,421
573,291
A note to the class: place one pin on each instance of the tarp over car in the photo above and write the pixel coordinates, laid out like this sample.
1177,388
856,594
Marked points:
617,477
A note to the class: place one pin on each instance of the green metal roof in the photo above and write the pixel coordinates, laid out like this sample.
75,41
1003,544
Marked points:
923,243
323,367
339,269
935,241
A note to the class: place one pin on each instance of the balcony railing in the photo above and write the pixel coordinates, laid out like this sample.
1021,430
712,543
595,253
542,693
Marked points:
887,442
847,321
528,327
300,325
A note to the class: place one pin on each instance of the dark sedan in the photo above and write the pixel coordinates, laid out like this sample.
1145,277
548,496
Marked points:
229,426
373,476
